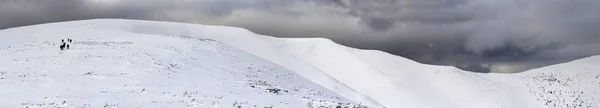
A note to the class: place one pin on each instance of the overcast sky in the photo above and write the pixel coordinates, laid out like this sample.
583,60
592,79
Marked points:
478,35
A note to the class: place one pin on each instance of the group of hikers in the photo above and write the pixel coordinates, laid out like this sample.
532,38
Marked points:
64,44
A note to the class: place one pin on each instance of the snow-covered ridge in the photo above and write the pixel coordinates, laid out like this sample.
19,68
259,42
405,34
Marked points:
399,82
369,77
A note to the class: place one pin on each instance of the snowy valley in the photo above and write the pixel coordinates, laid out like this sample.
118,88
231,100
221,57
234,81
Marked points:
131,63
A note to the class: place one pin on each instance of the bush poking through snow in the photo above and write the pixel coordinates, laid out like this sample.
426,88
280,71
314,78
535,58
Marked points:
274,90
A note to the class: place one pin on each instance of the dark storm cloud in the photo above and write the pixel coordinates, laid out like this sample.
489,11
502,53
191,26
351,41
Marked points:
480,35
466,33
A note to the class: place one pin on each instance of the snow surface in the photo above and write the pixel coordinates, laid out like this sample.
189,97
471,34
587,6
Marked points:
129,63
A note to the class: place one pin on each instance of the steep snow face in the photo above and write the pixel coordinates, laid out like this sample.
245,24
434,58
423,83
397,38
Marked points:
345,67
368,77
112,65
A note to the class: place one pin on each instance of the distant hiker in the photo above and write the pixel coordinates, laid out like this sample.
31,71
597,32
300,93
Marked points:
62,40
67,46
62,46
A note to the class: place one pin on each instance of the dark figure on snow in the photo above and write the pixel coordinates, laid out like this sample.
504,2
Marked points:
62,46
62,40
67,46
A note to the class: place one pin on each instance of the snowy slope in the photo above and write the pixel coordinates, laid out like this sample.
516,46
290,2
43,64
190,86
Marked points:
374,78
105,67
375,73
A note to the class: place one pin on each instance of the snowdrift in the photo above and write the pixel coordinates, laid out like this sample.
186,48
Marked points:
168,57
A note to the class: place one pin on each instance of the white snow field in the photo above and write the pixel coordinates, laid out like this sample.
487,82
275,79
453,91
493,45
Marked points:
130,63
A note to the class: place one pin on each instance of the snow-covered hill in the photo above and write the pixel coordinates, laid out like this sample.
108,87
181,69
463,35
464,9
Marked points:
160,64
111,68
